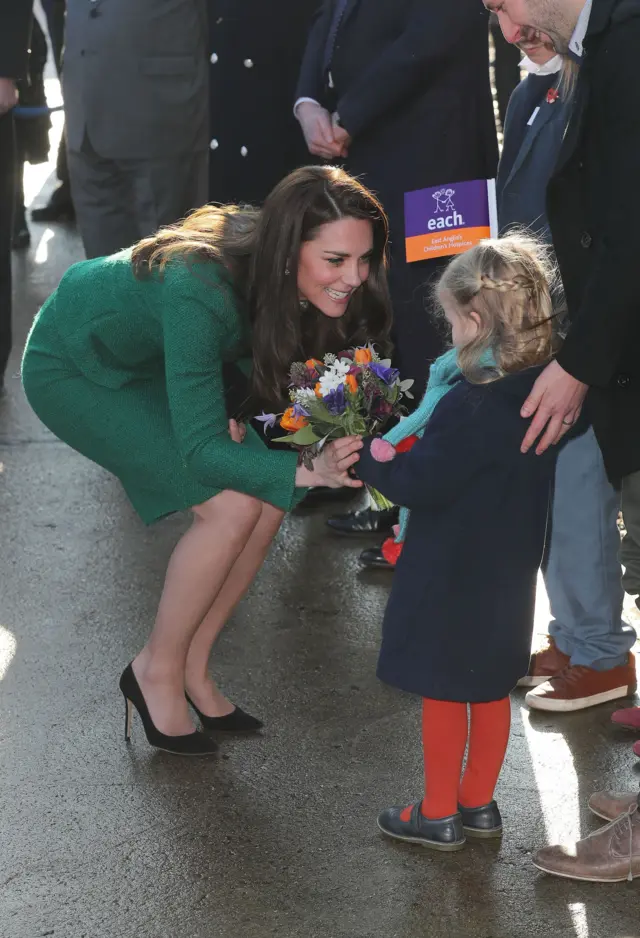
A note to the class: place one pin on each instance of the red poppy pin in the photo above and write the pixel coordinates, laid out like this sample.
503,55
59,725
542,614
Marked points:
552,95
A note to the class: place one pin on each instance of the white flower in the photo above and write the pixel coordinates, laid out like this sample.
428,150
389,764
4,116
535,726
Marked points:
330,381
303,394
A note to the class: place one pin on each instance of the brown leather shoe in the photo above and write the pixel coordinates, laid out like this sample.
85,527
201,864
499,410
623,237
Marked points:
579,687
544,664
609,855
611,804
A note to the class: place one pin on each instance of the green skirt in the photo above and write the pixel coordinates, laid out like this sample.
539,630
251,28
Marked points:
97,422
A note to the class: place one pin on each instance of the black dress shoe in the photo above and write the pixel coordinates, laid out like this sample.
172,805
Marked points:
190,744
58,208
374,559
21,239
235,722
484,821
444,833
322,493
366,521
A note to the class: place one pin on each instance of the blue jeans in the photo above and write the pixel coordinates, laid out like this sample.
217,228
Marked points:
582,571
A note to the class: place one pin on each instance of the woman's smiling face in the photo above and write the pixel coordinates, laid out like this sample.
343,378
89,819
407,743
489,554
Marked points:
334,264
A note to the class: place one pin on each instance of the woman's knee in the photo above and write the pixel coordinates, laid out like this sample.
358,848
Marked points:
233,511
270,519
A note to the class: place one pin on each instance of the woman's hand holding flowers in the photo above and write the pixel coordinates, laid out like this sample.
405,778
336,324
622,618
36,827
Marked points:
237,431
331,467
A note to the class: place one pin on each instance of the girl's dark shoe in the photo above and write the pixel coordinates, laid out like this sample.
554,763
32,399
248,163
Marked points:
366,521
235,722
191,744
484,821
445,833
373,559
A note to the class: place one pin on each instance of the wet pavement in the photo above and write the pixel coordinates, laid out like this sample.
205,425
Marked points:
277,835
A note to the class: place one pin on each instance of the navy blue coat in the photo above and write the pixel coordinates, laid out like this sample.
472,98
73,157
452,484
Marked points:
530,153
459,620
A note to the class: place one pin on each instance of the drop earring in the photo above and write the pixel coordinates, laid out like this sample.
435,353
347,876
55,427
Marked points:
304,304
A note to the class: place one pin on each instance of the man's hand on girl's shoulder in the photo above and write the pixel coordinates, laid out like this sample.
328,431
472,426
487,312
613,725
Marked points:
555,403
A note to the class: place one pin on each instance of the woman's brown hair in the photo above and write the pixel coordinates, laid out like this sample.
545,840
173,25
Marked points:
260,247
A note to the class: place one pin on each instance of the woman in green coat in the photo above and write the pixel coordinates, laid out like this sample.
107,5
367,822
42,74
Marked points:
125,363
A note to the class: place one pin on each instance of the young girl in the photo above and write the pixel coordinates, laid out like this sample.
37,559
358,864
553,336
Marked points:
457,629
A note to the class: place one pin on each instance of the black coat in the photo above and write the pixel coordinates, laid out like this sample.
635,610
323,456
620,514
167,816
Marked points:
460,617
593,205
256,48
15,23
412,88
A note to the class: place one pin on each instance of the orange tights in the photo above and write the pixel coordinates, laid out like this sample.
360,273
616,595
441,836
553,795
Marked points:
446,729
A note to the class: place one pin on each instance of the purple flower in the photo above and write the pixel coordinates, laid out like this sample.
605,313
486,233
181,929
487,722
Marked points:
388,375
335,401
299,411
267,421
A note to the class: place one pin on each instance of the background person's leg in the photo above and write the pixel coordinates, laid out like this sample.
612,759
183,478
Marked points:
103,200
583,574
7,184
165,190
630,551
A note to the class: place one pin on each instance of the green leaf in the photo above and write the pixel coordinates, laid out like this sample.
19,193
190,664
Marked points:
304,437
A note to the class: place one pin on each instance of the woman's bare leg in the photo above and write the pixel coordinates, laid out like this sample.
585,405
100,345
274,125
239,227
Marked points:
197,571
200,686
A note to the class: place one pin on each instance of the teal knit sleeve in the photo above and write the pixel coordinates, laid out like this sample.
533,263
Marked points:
196,332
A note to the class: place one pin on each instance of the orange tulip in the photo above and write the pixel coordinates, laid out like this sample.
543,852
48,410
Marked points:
352,383
314,364
289,422
318,390
363,356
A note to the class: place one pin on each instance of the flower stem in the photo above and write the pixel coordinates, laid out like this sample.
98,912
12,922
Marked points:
380,501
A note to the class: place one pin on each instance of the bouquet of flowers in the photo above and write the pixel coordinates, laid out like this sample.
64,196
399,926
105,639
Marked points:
353,393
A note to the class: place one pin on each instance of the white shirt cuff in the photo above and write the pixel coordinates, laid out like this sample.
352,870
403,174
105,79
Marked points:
304,101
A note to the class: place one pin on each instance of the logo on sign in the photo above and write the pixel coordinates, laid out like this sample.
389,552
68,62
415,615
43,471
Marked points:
445,210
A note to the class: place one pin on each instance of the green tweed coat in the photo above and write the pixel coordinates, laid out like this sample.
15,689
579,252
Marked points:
129,373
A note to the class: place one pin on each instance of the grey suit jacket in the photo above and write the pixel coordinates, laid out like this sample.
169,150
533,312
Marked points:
135,77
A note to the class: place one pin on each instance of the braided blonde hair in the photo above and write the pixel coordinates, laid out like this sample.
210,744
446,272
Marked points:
508,283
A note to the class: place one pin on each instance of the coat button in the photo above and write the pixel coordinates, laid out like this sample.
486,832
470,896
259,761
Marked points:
214,144
243,151
586,240
623,381
213,58
248,63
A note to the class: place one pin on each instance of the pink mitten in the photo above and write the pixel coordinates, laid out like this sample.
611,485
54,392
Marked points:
382,451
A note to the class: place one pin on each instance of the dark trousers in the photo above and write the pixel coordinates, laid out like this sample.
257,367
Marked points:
55,12
7,187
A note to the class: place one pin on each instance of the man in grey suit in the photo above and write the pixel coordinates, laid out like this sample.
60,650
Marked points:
135,84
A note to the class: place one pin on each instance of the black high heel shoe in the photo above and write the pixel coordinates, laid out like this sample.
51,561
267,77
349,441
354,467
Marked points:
235,722
191,744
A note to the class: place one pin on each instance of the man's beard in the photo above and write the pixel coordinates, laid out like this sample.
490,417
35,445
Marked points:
554,24
560,44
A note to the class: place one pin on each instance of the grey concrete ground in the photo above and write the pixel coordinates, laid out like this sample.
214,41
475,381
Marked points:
276,836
